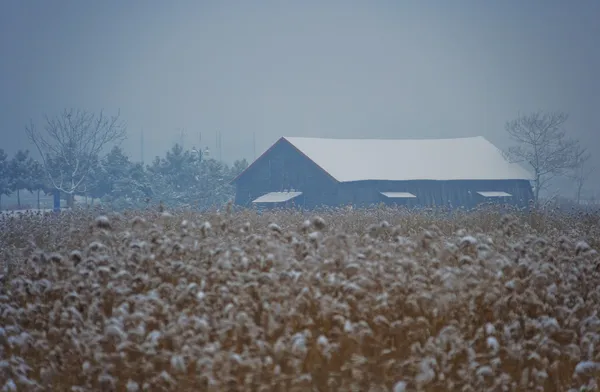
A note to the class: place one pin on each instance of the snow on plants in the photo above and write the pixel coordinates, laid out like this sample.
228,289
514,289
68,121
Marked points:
342,300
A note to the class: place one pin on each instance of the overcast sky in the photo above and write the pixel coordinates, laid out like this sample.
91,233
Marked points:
385,69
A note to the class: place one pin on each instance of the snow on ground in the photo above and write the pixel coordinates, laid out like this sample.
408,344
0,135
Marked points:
18,212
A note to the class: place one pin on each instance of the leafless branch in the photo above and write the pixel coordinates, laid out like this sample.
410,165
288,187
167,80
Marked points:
581,171
542,144
69,143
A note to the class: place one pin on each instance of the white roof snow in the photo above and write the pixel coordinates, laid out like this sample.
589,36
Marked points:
494,194
471,158
277,197
398,195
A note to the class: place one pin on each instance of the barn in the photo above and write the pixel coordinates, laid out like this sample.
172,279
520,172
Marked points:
315,172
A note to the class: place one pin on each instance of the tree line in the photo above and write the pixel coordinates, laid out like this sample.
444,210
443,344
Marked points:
80,155
181,178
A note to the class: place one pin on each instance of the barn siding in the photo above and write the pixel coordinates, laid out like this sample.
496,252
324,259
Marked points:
284,167
433,193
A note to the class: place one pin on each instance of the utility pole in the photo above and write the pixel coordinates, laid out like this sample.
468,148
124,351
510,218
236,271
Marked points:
182,138
220,147
218,144
254,144
142,146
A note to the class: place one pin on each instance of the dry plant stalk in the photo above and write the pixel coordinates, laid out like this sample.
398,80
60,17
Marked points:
379,300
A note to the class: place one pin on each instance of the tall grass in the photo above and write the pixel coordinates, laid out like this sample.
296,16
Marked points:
349,300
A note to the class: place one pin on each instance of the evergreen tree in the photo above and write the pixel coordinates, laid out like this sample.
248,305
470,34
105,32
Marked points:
132,189
214,188
112,168
119,182
238,167
175,176
179,167
116,164
137,185
20,174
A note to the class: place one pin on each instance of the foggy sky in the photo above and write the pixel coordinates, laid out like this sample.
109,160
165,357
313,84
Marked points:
386,69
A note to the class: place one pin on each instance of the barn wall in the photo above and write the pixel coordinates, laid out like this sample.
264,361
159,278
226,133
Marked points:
434,193
365,193
520,190
281,168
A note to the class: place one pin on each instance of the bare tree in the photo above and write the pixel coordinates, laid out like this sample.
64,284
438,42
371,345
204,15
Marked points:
70,145
543,145
581,171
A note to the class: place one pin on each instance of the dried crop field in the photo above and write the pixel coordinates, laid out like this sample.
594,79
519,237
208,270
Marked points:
379,300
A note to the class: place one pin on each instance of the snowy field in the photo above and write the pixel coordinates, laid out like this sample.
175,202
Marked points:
354,301
16,212
20,212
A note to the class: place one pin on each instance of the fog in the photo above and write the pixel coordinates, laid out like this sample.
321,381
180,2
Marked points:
388,69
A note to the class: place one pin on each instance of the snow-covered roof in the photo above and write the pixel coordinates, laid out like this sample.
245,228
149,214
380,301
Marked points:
277,197
494,194
470,158
398,195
